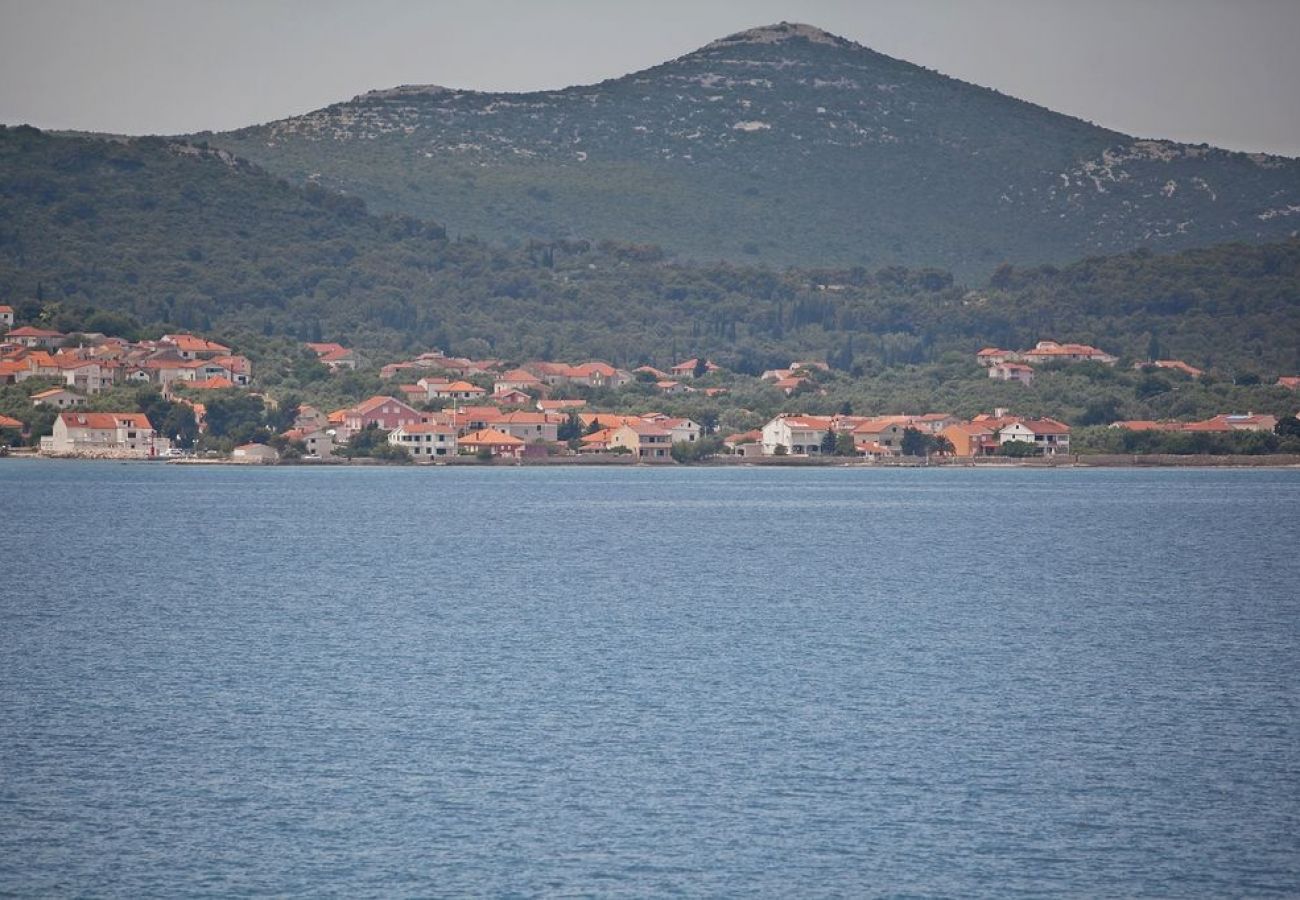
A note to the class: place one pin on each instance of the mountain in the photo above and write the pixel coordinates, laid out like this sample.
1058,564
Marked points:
783,144
132,235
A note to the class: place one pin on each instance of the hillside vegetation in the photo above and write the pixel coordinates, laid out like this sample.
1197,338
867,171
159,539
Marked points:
781,145
171,236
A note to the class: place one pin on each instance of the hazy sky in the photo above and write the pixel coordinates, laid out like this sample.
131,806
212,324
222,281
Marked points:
1226,72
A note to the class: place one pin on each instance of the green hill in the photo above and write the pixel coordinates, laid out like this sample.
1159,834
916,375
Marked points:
162,235
783,145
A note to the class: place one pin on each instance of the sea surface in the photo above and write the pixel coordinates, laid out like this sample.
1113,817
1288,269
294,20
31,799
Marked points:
390,682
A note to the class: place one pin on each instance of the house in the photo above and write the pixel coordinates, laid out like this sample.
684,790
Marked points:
455,390
596,441
334,356
189,346
887,431
791,384
10,424
1223,424
799,435
58,398
1048,435
873,450
255,453
672,387
512,397
969,439
992,356
1010,371
498,443
529,426
680,430
425,440
686,369
599,375
650,373
315,441
1289,381
516,380
643,440
381,411
747,443
1051,351
33,338
109,434
309,418
553,406
6,318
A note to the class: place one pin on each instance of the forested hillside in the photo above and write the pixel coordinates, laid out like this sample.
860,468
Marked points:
170,236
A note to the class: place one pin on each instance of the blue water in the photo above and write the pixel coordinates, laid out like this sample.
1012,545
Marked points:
829,682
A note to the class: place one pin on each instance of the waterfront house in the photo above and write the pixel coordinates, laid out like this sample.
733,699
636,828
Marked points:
107,434
425,440
382,411
255,453
498,443
1048,435
643,440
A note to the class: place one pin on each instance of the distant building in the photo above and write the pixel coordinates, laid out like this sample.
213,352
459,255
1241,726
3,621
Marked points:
1009,371
58,398
258,453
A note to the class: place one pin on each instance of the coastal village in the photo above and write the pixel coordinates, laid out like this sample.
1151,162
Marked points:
445,408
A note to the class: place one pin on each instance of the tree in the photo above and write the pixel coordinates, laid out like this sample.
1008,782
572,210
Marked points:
1287,426
701,368
844,445
829,442
914,443
570,429
1019,449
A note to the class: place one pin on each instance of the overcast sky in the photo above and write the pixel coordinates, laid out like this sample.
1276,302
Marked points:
1224,72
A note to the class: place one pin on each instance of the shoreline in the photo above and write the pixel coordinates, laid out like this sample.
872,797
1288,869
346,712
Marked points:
1080,461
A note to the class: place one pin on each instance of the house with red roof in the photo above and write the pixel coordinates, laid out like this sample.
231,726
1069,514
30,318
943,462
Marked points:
33,338
107,434
498,443
6,318
382,411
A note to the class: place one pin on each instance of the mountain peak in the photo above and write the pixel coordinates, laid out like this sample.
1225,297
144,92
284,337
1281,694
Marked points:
779,33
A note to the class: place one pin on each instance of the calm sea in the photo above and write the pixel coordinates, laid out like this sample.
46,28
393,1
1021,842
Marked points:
524,681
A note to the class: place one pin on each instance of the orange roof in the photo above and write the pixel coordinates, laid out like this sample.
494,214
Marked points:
6,309
104,421
430,427
194,344
29,331
606,420
597,437
490,437
218,383
554,405
6,422
51,392
320,349
522,376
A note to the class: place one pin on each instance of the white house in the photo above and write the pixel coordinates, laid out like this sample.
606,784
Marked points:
1050,436
799,435
125,435
58,398
425,440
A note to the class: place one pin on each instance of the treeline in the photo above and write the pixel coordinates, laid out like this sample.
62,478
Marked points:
142,236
